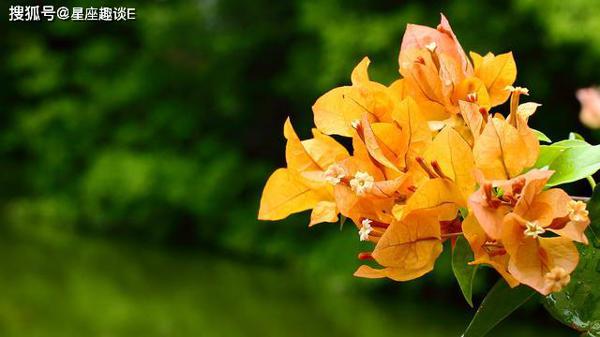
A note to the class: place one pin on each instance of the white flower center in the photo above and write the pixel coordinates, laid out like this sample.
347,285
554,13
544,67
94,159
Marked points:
334,174
362,182
533,229
519,90
431,46
365,230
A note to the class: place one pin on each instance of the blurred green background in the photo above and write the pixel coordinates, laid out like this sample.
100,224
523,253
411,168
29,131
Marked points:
134,154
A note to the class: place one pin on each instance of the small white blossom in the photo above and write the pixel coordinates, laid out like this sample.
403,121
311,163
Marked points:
577,211
533,229
334,174
431,46
520,90
365,230
362,182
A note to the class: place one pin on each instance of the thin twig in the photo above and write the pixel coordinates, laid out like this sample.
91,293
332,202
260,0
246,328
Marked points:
584,199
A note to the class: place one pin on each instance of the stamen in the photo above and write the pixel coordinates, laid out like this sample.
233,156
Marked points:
489,197
379,224
514,98
438,170
425,167
472,97
517,186
365,256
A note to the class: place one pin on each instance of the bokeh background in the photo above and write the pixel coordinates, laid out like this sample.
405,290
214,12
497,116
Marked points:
133,155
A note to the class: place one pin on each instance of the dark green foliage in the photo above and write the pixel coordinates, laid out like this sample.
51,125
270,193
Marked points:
165,129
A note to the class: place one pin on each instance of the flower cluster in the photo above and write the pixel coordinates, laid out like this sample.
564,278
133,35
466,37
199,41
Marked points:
430,162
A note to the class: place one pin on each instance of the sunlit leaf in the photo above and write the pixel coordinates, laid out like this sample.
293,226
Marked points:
541,136
574,163
575,135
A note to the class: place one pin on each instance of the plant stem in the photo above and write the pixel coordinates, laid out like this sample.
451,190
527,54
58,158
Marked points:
592,182
584,199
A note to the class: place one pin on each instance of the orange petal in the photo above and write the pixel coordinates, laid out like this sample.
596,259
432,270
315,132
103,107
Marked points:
360,74
335,111
416,132
324,211
477,237
496,72
410,247
500,152
295,154
455,158
285,194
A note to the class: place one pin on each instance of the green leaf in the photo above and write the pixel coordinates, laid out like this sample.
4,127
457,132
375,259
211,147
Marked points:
574,163
464,273
575,135
548,154
578,305
463,212
571,143
496,306
541,136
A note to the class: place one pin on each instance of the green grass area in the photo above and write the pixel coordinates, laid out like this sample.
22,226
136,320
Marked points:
92,288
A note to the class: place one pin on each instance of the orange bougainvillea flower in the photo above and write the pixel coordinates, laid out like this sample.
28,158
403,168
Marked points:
431,161
303,184
505,147
439,75
513,217
337,110
411,244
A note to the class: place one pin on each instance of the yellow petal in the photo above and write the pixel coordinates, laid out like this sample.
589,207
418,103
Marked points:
360,74
377,148
525,110
410,247
399,89
500,152
324,150
434,193
283,195
472,117
496,72
417,135
476,88
324,211
335,111
295,154
455,158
